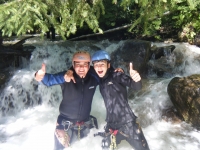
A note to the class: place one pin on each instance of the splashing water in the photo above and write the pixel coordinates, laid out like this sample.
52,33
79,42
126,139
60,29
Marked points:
31,128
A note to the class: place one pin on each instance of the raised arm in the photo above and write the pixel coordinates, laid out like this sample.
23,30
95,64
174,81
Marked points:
133,81
134,74
49,79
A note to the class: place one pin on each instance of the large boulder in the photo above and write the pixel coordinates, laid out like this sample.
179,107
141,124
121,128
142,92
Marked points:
184,93
139,53
162,60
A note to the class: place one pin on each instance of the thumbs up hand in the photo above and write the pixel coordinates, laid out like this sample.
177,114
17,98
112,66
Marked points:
40,74
134,74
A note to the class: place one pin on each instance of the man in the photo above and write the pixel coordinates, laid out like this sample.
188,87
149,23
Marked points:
74,121
121,121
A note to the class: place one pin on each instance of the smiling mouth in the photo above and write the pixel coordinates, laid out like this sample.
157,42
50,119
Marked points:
100,72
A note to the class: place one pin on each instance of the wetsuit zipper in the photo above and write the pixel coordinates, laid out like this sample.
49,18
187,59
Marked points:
81,105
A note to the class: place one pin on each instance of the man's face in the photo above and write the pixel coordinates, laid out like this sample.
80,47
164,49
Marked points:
81,68
101,67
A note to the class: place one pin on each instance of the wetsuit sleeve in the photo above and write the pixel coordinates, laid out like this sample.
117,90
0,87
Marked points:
53,79
128,81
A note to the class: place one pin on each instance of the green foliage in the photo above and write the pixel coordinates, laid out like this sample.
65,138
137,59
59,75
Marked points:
22,16
148,17
187,17
115,15
151,16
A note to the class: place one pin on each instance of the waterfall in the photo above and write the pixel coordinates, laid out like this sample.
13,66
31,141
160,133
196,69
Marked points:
29,109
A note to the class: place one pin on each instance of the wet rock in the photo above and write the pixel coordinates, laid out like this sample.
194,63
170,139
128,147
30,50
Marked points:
144,57
137,52
171,115
2,78
184,93
197,40
162,60
11,56
158,52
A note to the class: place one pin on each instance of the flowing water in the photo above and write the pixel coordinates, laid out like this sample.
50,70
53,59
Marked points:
32,128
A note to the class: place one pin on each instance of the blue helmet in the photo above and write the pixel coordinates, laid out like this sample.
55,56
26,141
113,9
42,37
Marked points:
100,55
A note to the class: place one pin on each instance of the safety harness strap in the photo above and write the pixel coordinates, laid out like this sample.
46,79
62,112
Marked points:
113,144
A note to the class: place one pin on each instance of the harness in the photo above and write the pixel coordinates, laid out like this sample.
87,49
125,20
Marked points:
110,136
67,127
115,133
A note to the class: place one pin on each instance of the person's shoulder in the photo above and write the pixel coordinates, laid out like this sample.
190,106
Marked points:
117,73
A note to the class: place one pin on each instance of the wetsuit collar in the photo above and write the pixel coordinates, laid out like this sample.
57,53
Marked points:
108,72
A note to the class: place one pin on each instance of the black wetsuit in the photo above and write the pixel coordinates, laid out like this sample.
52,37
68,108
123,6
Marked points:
77,100
119,115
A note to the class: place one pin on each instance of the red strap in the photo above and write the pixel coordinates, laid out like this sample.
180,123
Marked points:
114,132
79,123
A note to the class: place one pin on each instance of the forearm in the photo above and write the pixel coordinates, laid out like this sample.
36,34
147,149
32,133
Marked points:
128,81
53,79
